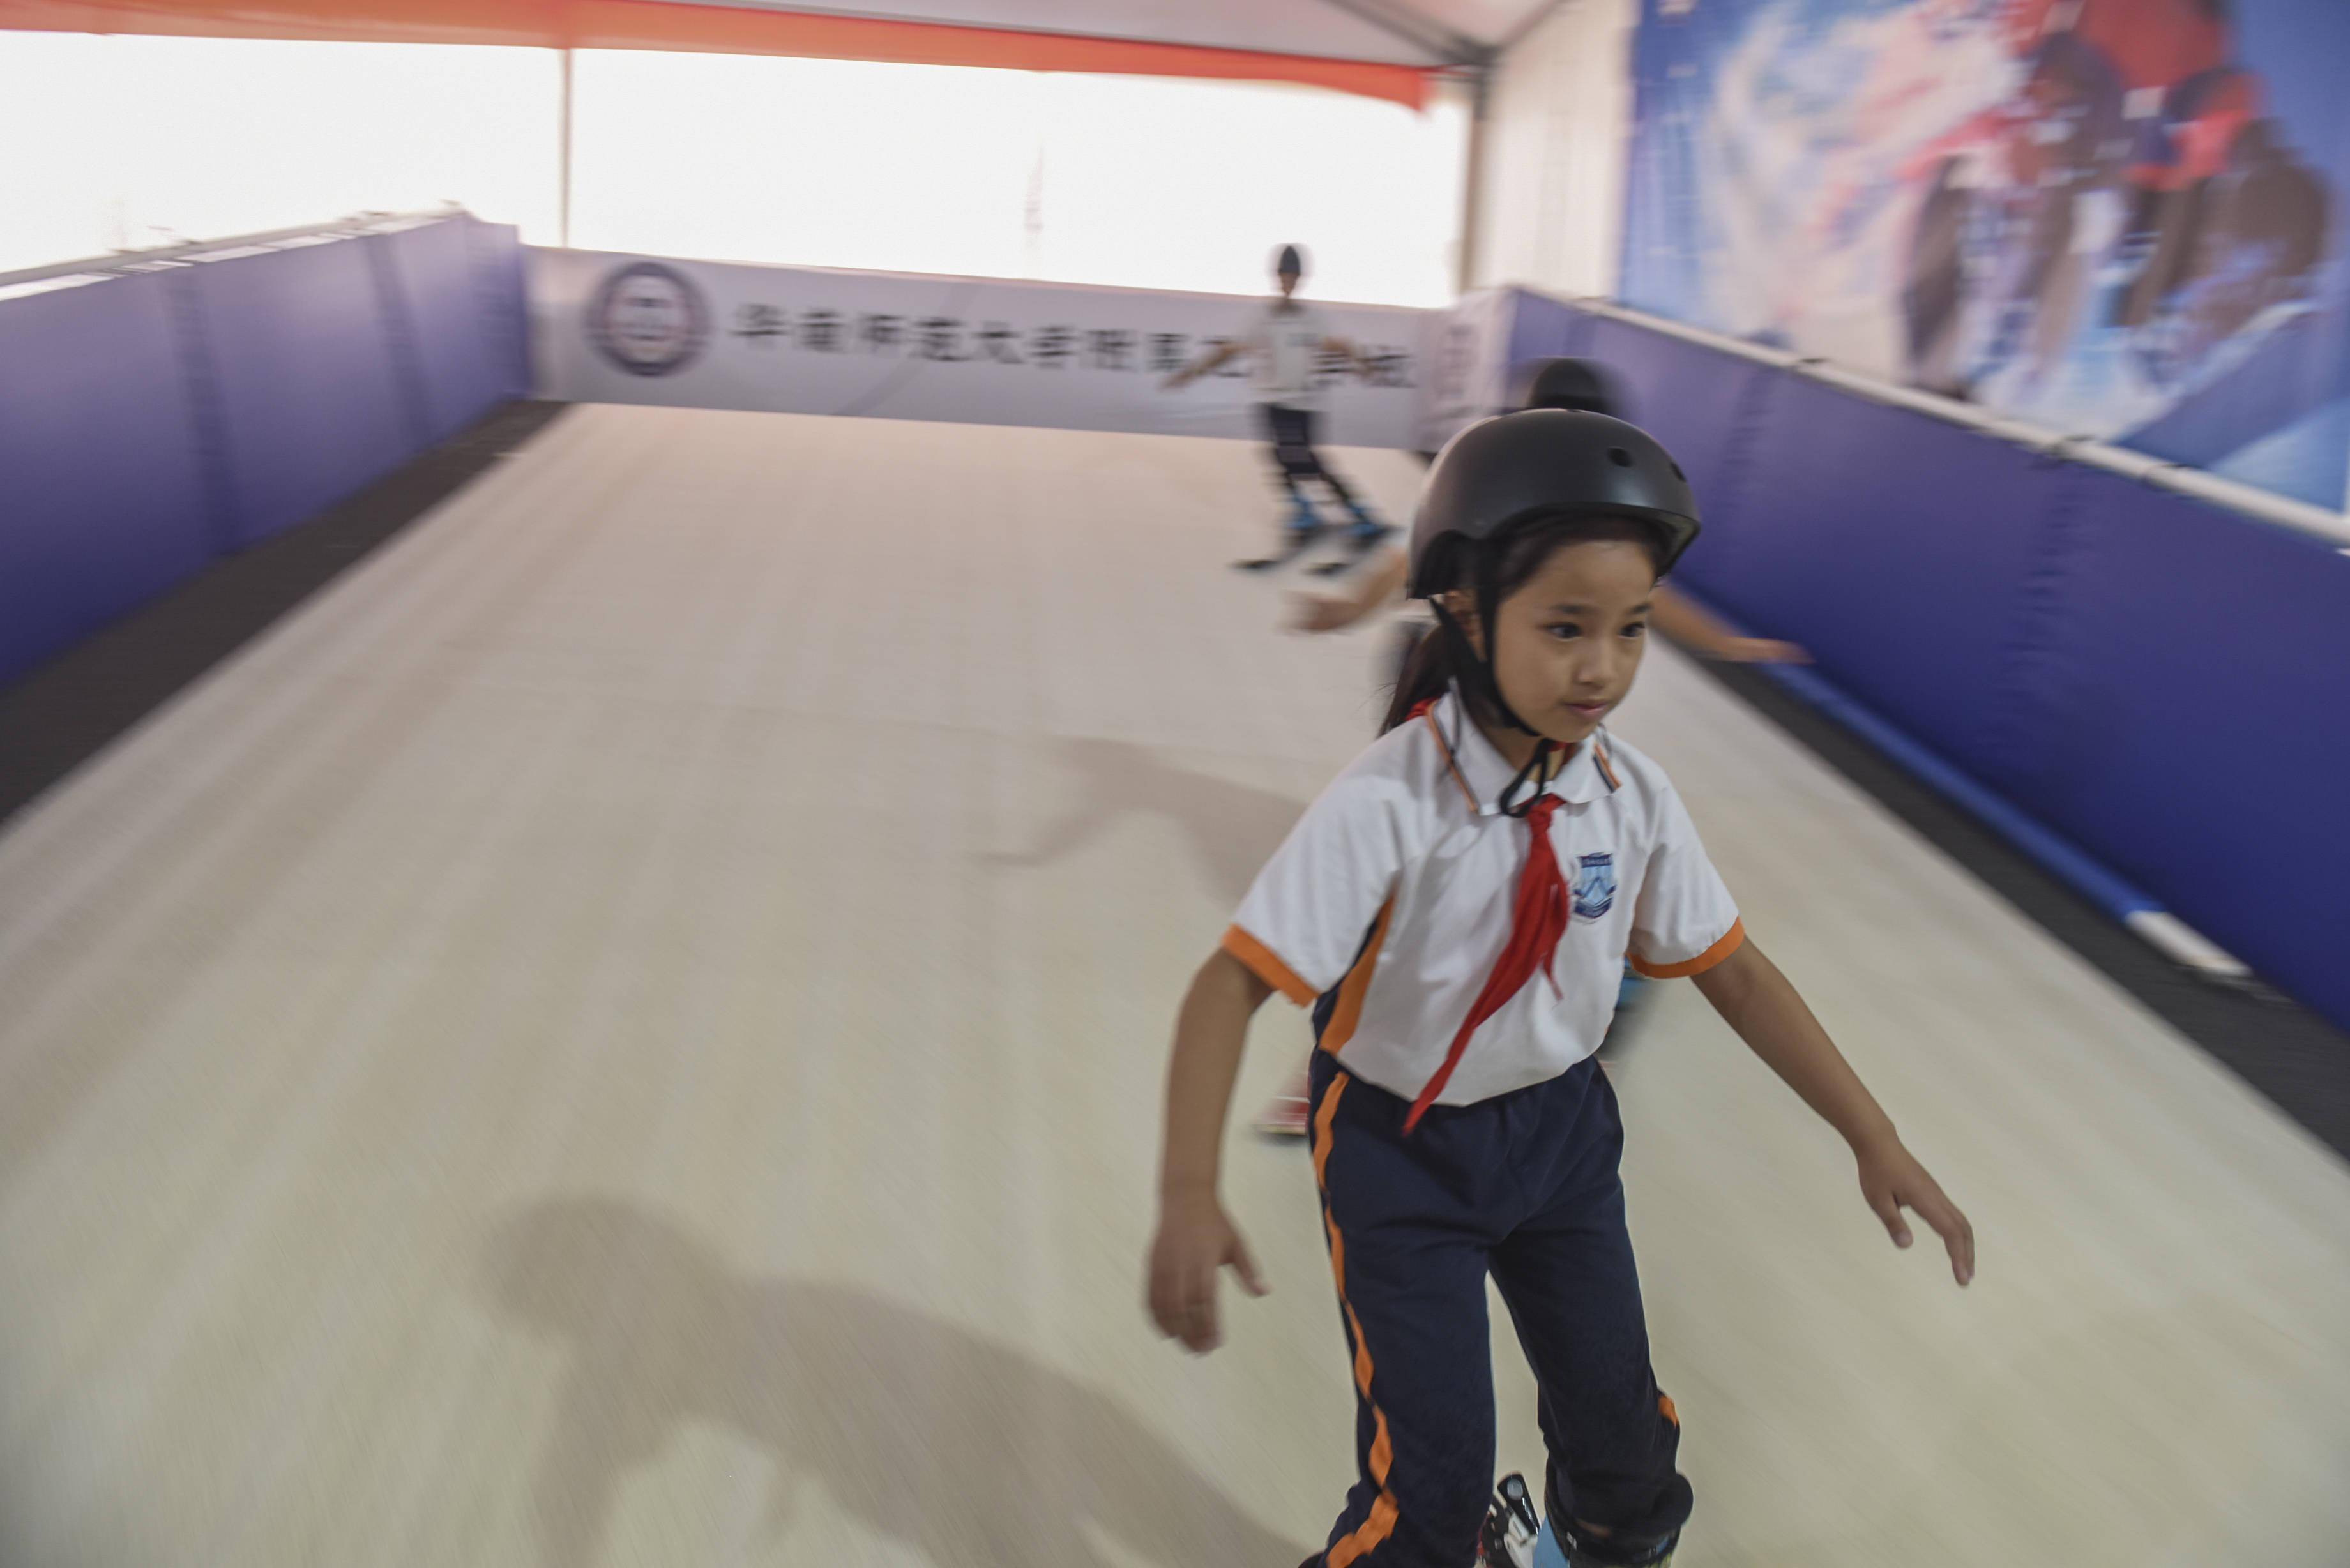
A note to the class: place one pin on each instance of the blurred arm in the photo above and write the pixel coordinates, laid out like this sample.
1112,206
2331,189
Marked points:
1680,619
1345,349
1334,612
1207,363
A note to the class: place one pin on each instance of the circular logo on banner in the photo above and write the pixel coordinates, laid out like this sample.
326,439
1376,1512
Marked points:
648,320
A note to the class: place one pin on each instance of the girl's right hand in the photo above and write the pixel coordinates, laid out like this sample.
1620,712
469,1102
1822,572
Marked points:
1195,1240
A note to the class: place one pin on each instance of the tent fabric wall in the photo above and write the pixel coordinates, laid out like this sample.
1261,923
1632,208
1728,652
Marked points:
1558,124
152,422
2138,671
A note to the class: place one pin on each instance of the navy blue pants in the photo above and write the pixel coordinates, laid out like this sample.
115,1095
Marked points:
1294,457
1522,1186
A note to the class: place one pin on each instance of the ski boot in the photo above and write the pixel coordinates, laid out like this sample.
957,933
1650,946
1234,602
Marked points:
1364,536
1304,532
1565,1551
1512,1530
1515,1536
1561,1546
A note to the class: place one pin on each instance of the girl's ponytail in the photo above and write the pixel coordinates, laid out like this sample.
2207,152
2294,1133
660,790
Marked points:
1424,675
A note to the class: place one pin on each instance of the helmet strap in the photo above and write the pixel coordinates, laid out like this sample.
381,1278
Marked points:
1488,684
1488,694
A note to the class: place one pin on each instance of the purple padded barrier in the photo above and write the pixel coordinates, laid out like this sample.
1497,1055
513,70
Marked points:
150,422
311,404
1902,552
1545,328
1700,404
106,498
2205,748
2146,675
461,355
504,284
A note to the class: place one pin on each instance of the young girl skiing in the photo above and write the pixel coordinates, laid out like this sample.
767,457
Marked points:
1584,386
1456,909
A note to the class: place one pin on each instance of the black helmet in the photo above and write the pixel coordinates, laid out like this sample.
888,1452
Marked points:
1537,464
1586,386
1291,261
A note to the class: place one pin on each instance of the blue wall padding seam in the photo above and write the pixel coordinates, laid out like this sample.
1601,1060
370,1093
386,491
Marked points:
2027,734
399,337
503,283
1747,419
200,373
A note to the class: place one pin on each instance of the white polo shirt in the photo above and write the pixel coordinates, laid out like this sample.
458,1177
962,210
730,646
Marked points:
1391,902
1285,345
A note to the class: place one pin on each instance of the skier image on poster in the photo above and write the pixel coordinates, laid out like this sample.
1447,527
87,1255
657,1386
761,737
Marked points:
2108,217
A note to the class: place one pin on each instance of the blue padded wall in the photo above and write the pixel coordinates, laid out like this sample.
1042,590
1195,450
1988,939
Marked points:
104,497
302,359
148,423
2202,746
2156,681
1898,549
1688,396
443,288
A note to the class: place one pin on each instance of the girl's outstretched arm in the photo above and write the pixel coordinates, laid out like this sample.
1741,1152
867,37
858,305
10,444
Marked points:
1681,620
1754,999
1196,1240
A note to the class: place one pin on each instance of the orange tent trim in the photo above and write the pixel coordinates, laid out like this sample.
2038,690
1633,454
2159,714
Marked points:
701,29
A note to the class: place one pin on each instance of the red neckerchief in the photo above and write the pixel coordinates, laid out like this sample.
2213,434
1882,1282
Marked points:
1538,917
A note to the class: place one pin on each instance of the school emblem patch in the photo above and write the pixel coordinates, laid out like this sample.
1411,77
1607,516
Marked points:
1595,885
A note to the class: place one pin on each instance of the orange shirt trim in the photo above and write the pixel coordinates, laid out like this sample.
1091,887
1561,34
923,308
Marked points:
1731,940
1266,965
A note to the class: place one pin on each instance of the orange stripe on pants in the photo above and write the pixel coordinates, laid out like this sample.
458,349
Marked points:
1382,1520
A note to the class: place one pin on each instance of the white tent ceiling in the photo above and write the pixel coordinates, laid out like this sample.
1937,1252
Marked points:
1391,32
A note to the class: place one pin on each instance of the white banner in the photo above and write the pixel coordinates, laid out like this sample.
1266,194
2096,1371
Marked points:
638,329
1468,366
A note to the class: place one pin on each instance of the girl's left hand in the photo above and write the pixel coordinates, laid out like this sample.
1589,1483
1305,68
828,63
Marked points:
1892,1179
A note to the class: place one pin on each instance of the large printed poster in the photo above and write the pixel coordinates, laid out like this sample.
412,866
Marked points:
2124,219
